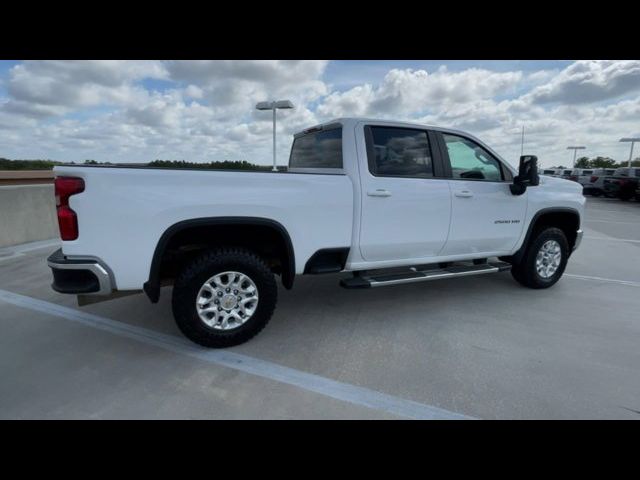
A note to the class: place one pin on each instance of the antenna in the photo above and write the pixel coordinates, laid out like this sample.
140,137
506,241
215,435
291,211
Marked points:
522,144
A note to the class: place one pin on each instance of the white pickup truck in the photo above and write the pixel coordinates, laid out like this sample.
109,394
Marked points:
391,202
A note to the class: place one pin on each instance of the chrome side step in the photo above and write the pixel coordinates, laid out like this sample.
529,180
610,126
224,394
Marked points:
372,280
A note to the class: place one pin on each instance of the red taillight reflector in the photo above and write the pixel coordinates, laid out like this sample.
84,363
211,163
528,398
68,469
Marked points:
67,218
593,179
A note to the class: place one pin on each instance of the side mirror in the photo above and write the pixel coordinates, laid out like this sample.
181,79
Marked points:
527,175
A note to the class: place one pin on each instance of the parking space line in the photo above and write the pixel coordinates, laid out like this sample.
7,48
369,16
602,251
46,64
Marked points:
612,239
15,251
608,221
600,279
261,368
611,211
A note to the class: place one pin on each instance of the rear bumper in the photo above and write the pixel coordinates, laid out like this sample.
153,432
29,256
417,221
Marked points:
78,275
579,235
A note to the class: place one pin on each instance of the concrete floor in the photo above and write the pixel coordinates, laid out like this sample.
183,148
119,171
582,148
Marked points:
482,347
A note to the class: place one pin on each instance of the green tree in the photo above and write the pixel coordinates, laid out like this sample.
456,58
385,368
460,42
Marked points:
602,162
583,162
6,164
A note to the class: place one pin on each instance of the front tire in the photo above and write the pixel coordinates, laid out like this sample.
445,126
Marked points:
544,261
224,297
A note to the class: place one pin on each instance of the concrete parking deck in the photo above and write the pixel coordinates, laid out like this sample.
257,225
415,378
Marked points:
474,347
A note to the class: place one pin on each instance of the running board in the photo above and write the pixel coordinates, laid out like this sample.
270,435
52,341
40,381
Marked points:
371,280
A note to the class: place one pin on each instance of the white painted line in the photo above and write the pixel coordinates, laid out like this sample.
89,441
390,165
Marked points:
19,250
606,280
28,247
603,210
610,221
261,368
611,239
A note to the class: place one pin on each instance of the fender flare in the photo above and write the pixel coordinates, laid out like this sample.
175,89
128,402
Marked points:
152,286
520,252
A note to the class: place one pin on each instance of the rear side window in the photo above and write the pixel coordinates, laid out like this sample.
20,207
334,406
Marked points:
322,149
399,152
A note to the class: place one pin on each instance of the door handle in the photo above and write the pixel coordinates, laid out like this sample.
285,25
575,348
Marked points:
380,192
464,193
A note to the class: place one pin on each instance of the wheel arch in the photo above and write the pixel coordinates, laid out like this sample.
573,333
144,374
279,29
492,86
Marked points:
565,218
276,230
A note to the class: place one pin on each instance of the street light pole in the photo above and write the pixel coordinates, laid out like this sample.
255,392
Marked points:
632,141
575,151
275,168
282,104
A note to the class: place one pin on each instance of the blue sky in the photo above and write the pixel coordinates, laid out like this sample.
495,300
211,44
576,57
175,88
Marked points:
132,111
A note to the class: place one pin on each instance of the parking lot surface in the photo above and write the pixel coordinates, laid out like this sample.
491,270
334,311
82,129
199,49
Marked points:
478,347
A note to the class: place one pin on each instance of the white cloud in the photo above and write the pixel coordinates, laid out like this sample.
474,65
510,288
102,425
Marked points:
590,81
204,110
416,91
49,88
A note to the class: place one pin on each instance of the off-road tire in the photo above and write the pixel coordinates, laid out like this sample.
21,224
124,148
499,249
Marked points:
525,271
195,273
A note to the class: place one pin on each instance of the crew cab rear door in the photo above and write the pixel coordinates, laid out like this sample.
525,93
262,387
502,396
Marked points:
405,207
485,216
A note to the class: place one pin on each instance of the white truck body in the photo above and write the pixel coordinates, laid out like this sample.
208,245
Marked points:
124,211
126,215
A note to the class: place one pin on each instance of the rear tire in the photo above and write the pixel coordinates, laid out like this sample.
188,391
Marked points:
544,261
229,277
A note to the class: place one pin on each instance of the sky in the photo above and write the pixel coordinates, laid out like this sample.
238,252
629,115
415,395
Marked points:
139,111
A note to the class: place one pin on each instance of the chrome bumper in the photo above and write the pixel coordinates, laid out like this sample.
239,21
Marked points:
579,234
81,276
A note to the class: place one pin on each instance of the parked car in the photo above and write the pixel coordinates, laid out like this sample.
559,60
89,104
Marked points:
551,172
622,184
570,174
390,202
593,183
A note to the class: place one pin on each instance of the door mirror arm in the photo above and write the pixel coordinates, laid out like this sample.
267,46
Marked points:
527,175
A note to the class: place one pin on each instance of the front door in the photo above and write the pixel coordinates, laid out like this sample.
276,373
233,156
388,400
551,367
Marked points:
485,216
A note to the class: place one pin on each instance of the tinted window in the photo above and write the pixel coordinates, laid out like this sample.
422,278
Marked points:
400,152
469,161
321,149
587,172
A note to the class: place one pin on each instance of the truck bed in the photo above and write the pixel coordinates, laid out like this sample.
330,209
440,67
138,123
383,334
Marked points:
145,201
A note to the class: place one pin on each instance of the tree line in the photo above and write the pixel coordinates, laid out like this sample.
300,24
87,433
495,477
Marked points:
602,162
6,164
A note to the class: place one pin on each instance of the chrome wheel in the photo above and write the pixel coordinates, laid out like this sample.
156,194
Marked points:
548,259
227,300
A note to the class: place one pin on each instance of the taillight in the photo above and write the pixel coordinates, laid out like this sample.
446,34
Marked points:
593,179
67,218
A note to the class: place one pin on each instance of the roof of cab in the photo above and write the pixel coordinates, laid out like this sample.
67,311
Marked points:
400,123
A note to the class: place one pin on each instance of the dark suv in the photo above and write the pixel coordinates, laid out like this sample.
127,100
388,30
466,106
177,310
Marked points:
622,184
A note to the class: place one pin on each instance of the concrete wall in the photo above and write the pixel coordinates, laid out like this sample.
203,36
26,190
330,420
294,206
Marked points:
27,214
26,177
